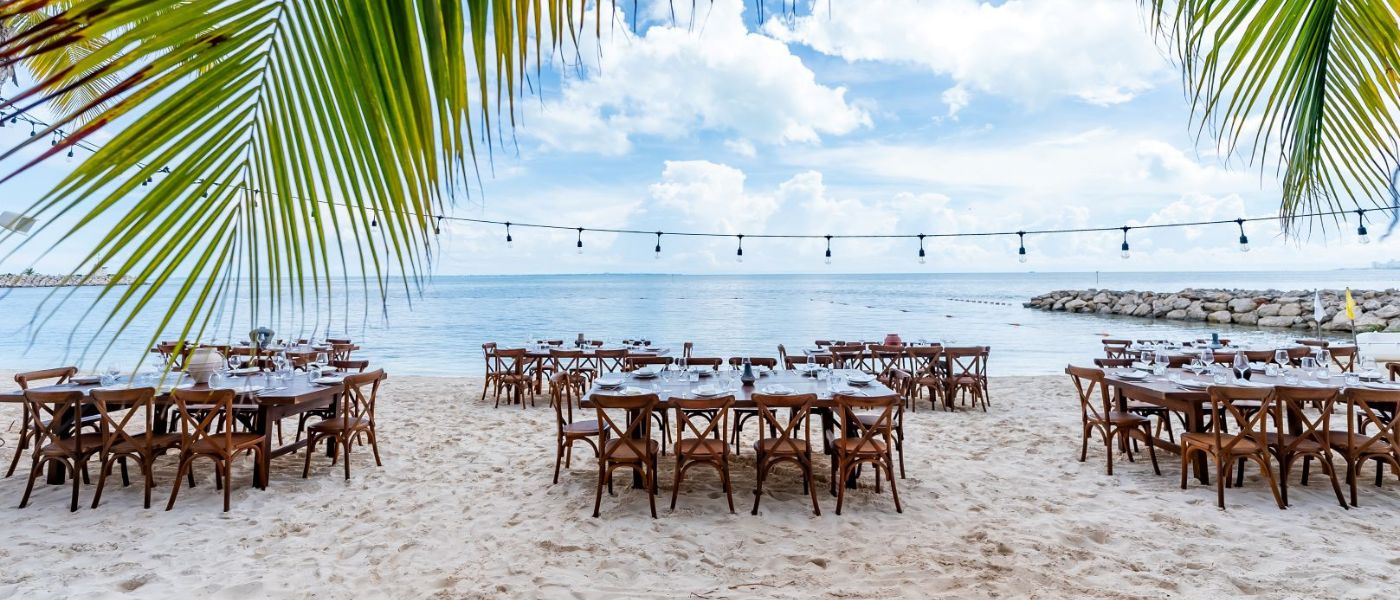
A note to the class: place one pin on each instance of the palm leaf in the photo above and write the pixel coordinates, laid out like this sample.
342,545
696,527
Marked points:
259,140
1308,86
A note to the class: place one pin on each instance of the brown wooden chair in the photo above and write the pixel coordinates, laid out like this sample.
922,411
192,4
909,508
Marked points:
966,374
864,441
353,419
512,375
1250,440
1296,355
636,362
926,363
686,349
1368,409
1259,356
564,394
610,361
341,350
784,446
705,446
632,447
51,414
758,361
899,381
331,340
1137,407
849,356
1311,441
791,361
822,343
1344,358
885,359
572,363
705,361
488,352
1096,414
345,366
129,421
201,437
56,376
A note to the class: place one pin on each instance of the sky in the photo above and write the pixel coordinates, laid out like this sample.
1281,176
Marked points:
876,117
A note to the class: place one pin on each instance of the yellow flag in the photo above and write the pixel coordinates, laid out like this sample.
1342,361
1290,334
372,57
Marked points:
1351,306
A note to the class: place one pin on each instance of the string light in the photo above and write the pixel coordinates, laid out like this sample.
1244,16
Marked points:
1126,253
828,249
1361,235
922,260
658,245
1021,253
739,256
580,240
374,219
437,227
1244,239
510,243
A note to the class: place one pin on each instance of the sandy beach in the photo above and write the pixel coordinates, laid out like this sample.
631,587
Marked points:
995,505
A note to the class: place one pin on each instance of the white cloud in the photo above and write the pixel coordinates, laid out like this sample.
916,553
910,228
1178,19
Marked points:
742,147
672,81
1030,50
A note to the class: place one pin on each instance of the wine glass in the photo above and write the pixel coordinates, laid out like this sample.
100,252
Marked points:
218,380
1368,367
1241,364
114,373
1197,366
1163,361
1281,357
1308,364
1207,356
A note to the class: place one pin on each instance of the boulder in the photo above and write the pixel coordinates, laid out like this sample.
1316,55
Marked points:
1179,303
1219,316
1195,313
1177,315
1268,310
1369,322
1389,311
1241,305
1247,318
1102,298
1276,321
1142,310
1290,310
1372,304
1214,306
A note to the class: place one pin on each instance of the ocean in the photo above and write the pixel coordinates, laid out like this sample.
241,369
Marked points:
440,332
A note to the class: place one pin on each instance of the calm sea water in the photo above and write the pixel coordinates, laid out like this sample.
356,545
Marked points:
441,331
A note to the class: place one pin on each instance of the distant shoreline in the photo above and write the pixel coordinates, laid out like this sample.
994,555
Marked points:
39,280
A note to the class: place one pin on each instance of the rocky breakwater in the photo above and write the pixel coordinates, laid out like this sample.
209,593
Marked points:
33,280
1376,310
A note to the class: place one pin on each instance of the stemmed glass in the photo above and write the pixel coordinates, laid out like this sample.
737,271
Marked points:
1207,356
1281,357
1309,365
1368,367
1163,361
1197,366
1241,364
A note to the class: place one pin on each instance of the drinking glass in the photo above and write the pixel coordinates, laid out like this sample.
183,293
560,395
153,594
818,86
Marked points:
1163,361
1241,364
1197,366
313,373
1324,357
114,372
1219,374
1324,373
1207,356
1309,364
1281,357
1368,367
218,380
1290,376
1353,379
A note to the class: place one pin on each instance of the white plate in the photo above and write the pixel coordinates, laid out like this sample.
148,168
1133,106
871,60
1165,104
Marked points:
240,388
329,380
1132,374
778,390
1193,384
861,379
633,391
707,390
1380,385
609,382
244,371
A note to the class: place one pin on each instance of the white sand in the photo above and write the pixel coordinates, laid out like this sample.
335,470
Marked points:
995,505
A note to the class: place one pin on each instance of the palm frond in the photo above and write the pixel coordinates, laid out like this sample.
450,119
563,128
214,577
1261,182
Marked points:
271,149
1309,86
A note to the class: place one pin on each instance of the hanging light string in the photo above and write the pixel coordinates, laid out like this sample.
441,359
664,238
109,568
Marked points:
59,137
1126,253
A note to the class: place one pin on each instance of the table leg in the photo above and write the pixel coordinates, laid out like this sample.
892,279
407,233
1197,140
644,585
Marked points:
1196,420
263,426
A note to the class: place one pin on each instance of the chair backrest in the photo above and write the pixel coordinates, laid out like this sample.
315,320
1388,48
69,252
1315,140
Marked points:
923,360
705,361
510,361
138,405
1089,383
564,393
799,407
822,343
201,410
331,340
965,361
635,434
636,362
596,343
567,361
1370,428
757,361
1224,357
887,358
1298,353
792,360
1115,350
1259,355
782,354
1238,404
358,366
1117,342
1293,400
610,361
59,375
341,351
884,422
51,413
1344,357
901,381
487,351
715,412
1113,363
849,356
686,348
357,401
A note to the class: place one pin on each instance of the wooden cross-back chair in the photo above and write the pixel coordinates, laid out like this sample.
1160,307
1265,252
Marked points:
610,361
1252,409
1311,441
1096,414
702,446
850,356
51,414
357,366
564,395
341,351
353,420
864,441
1313,342
512,375
632,363
791,361
758,361
626,446
206,430
926,368
705,361
572,363
1161,414
884,359
488,353
1344,358
55,376
784,446
129,419
966,374
1297,354
1373,434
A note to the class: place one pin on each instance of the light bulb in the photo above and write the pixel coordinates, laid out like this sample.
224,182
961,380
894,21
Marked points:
739,258
828,260
658,255
580,250
1022,258
1244,246
1361,235
1127,255
923,260
510,243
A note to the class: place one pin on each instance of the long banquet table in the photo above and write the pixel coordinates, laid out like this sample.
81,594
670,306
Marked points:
271,406
1194,404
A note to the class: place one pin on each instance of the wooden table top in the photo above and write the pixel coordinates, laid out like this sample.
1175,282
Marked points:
591,351
743,397
297,390
1161,388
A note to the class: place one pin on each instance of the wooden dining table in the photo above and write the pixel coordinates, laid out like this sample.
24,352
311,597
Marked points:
269,407
795,381
1191,402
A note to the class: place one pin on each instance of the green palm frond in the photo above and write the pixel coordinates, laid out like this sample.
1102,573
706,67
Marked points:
57,65
300,145
1310,86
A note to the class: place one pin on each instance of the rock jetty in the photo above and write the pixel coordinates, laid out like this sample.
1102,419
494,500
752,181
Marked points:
1375,310
33,280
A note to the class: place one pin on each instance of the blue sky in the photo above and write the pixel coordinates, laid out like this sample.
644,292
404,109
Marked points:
932,116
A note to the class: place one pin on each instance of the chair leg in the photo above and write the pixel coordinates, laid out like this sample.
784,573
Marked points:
126,478
1273,483
893,490
1084,449
650,481
676,483
73,505
728,489
345,442
311,439
598,493
147,466
1152,449
558,457
1222,475
102,480
1185,462
758,483
374,446
899,446
806,481
841,486
29,487
228,480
